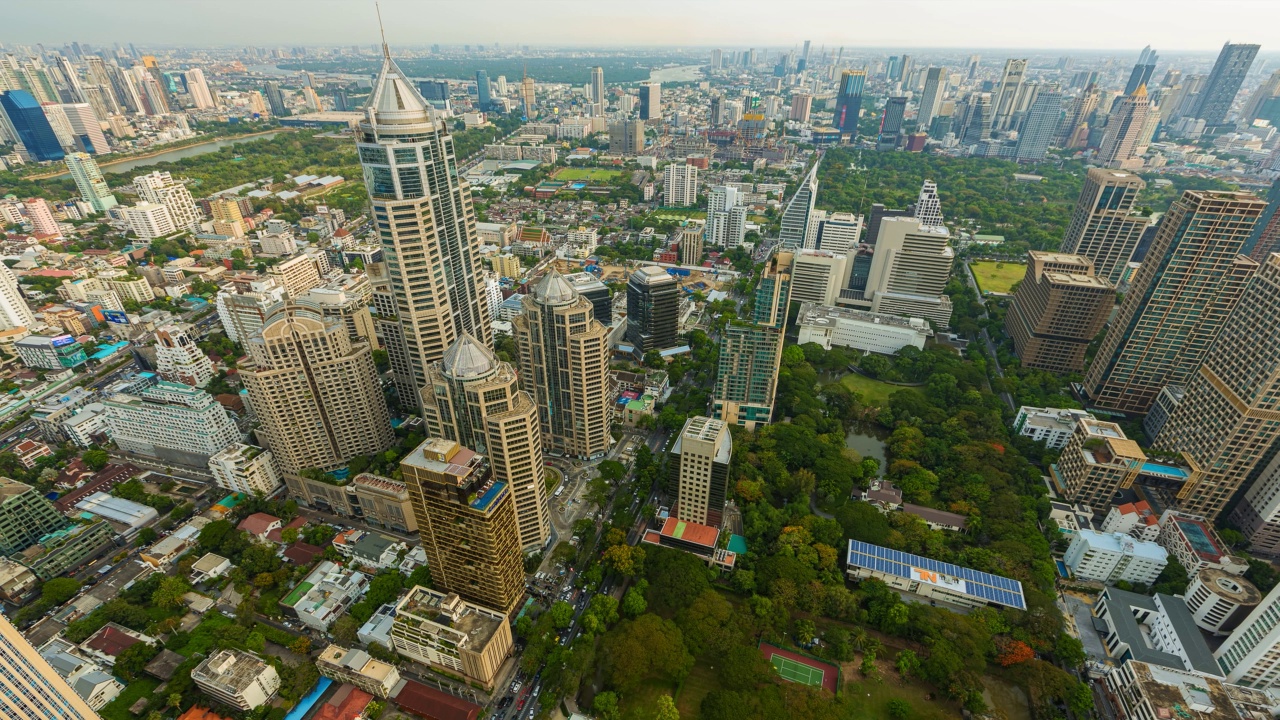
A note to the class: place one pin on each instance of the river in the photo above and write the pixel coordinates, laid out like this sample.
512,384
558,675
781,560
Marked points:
177,154
679,73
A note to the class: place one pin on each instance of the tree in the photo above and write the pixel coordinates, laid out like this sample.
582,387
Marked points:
899,709
666,709
561,614
255,642
633,604
605,705
58,590
131,662
301,646
642,648
908,663
1013,652
96,459
624,559
289,535
146,536
344,629
170,591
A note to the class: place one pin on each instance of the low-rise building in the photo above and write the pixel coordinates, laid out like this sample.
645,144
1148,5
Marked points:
383,502
175,544
29,451
111,640
237,678
1052,425
1135,519
356,667
259,525
325,594
68,548
932,579
369,549
131,516
208,567
377,629
445,631
1158,630
50,353
866,331
17,583
1151,692
1070,518
1114,557
85,676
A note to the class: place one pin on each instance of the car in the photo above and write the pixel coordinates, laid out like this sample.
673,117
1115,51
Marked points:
515,688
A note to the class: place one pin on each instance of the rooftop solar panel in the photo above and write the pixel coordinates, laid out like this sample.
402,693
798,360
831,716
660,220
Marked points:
981,585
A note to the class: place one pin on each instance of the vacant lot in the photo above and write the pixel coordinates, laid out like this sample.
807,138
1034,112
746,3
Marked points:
997,277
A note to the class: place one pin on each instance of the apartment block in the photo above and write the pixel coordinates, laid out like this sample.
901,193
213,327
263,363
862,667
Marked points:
1054,426
246,469
1114,557
237,678
444,631
1057,310
751,351
31,688
699,466
169,421
356,667
1105,226
1097,462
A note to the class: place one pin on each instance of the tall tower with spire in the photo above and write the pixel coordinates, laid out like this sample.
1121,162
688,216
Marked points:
422,210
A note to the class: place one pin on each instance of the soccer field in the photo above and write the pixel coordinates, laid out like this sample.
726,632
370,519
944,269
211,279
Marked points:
793,671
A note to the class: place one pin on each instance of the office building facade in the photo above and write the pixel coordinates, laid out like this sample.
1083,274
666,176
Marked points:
1057,310
1223,84
849,102
1123,142
1105,226
653,309
35,135
799,209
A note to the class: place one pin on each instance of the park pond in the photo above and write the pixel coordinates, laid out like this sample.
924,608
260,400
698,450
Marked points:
867,444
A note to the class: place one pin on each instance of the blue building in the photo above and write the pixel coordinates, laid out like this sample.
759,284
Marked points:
483,97
849,102
34,130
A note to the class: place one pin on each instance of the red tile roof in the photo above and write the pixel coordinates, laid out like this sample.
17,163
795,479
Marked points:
257,523
432,704
110,641
301,553
346,704
690,532
105,479
196,713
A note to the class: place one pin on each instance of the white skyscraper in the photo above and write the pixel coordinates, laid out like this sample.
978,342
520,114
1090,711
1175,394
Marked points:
14,312
929,206
935,85
199,89
1251,655
680,185
162,189
86,129
726,217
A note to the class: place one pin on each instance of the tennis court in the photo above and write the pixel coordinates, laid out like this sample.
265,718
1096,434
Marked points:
794,667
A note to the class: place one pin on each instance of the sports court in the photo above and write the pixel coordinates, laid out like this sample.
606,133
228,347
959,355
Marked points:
794,667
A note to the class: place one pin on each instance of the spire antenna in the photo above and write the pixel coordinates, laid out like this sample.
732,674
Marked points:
386,52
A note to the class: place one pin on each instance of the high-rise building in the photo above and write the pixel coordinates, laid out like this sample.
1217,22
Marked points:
86,130
1251,654
14,311
1178,301
31,688
179,360
25,517
227,219
1141,74
244,310
564,363
162,189
976,120
699,467
929,206
1267,91
690,243
626,137
1057,310
650,101
1266,233
466,524
199,89
1226,420
818,276
909,271
472,398
751,351
801,106
528,95
1097,462
597,85
726,218
422,208
88,178
1104,226
1223,83
245,468
315,395
849,102
680,185
895,109
169,421
484,97
35,135
796,216
275,98
717,59
40,217
837,232
935,86
1123,141
1007,91
1040,128
653,309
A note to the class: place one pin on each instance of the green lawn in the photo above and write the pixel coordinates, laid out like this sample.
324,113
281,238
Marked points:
553,478
118,709
870,700
588,174
997,277
701,681
872,391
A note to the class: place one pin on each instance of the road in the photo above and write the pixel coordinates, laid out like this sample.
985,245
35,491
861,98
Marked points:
989,346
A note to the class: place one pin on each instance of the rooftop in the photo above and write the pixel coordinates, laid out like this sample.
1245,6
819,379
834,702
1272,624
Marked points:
963,580
690,532
233,669
477,623
1124,544
825,315
1121,613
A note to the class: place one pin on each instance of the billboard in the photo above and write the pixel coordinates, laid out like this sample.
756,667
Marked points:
116,317
933,577
62,341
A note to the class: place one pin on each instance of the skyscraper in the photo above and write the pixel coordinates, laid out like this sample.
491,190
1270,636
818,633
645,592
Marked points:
1104,226
795,217
1223,83
1123,141
1007,92
427,227
597,85
1250,656
909,271
14,311
275,99
180,360
1041,126
1269,89
699,468
653,309
680,185
35,134
564,363
935,86
626,137
199,89
801,106
1266,233
726,217
315,394
977,119
650,101
929,206
30,687
849,102
1227,419
528,95
88,178
484,98
751,351
466,523
160,188
895,110
1141,74
85,128
1057,310
1178,301
473,398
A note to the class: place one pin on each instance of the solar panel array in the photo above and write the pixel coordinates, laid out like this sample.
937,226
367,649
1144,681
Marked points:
980,585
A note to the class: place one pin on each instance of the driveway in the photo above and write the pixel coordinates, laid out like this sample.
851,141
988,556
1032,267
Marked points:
1081,613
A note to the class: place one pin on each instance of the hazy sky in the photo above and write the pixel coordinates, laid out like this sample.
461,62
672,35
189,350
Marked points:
1120,25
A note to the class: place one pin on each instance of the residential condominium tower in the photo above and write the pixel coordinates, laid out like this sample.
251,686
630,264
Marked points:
1178,301
30,687
424,218
751,351
1229,417
1105,226
1057,310
1223,84
700,471
795,217
473,398
564,364
88,178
